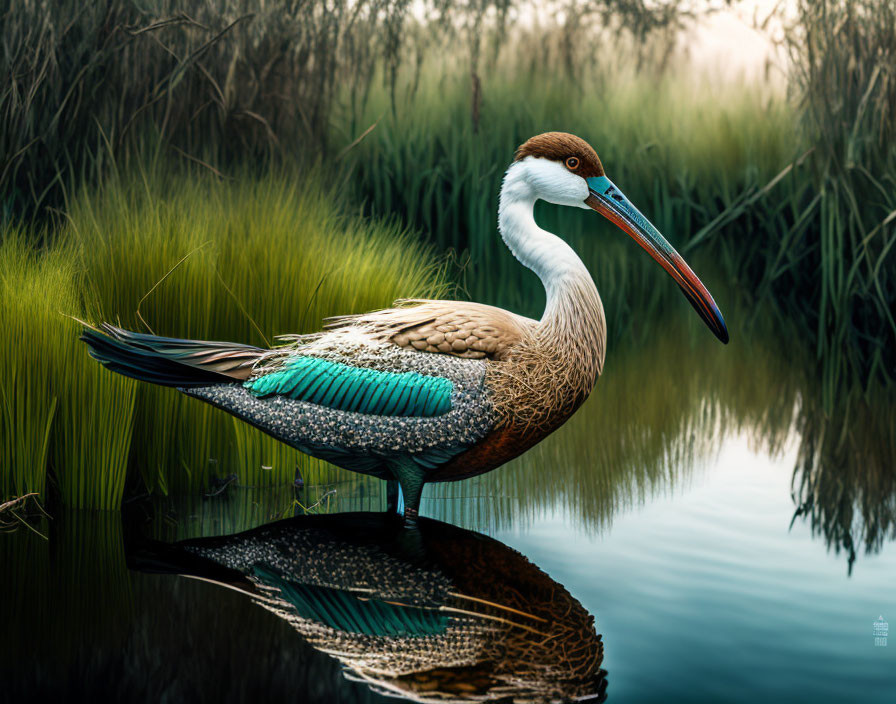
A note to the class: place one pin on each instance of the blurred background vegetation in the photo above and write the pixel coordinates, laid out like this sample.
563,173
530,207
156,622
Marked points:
238,170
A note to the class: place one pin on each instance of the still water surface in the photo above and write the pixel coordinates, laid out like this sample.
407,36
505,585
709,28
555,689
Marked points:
713,569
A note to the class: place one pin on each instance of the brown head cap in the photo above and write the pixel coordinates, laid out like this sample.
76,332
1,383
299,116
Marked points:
572,151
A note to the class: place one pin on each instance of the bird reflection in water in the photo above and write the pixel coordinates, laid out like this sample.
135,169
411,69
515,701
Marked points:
433,614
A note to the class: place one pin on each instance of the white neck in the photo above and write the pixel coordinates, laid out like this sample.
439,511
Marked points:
568,285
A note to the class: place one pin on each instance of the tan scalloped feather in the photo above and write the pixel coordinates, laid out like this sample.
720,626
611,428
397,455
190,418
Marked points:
459,328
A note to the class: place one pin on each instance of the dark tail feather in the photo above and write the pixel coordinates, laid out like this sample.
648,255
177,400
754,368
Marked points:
170,361
162,558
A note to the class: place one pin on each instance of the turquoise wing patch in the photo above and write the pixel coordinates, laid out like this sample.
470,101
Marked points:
347,388
349,614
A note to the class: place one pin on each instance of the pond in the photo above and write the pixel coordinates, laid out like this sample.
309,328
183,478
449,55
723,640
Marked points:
705,529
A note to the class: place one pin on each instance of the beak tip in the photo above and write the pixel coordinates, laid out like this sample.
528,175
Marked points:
721,331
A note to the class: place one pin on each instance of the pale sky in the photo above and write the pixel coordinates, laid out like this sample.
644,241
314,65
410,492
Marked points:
728,41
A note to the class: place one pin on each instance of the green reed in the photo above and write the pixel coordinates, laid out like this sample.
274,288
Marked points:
228,81
58,409
188,256
846,75
222,80
825,254
30,297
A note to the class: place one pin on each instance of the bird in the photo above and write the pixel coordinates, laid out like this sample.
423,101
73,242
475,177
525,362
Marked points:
448,616
431,390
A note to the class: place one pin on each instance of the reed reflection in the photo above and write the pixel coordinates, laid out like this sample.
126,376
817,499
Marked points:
844,483
437,614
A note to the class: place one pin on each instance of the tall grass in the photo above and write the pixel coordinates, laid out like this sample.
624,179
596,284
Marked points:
221,80
826,252
182,256
232,81
58,409
30,297
844,70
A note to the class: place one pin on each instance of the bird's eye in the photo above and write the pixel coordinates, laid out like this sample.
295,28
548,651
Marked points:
572,163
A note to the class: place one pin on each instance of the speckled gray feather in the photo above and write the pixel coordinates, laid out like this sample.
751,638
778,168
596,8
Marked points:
369,443
320,558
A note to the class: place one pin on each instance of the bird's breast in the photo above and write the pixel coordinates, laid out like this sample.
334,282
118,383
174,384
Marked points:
533,394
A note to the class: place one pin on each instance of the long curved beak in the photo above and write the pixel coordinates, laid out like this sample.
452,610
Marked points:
609,201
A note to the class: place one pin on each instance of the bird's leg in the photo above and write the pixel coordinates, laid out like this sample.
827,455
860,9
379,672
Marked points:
412,504
410,479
